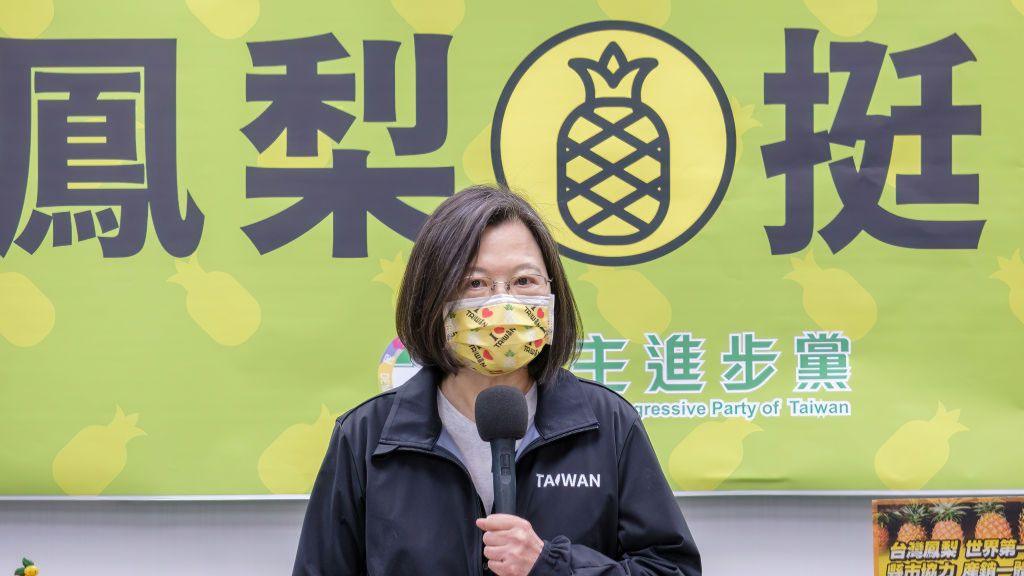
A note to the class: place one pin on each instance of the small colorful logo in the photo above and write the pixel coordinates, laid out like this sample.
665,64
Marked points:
396,366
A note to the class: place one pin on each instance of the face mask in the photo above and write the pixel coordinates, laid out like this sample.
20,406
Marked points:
501,333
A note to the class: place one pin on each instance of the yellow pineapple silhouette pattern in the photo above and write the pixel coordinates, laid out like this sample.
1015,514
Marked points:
709,454
91,460
227,19
476,160
1019,5
290,463
650,12
390,275
218,303
917,450
1011,271
434,17
25,18
276,155
630,302
743,116
26,314
905,158
844,17
833,298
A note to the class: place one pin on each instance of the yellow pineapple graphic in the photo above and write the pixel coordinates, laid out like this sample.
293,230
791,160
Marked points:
434,17
709,454
630,302
744,118
833,298
905,158
226,19
844,17
290,463
476,160
25,18
391,272
26,314
650,12
276,155
1011,271
917,450
221,306
91,460
1019,5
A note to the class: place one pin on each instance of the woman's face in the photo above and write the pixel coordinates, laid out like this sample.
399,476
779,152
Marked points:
507,250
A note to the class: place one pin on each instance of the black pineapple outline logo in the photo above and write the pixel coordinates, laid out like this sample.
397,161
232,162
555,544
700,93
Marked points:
608,146
572,196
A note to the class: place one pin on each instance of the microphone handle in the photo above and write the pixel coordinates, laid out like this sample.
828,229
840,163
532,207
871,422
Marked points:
503,469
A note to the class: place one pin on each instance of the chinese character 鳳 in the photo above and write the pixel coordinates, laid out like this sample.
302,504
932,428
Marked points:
100,115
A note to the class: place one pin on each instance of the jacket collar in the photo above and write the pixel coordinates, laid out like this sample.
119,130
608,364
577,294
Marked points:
413,421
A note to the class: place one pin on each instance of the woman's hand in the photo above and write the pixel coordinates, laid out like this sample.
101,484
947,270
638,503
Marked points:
510,544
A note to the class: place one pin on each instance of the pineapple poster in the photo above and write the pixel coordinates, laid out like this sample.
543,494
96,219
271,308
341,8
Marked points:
793,229
968,536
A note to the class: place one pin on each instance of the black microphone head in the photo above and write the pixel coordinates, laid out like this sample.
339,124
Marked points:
501,412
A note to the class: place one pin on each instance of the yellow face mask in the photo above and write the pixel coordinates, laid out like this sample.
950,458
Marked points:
501,333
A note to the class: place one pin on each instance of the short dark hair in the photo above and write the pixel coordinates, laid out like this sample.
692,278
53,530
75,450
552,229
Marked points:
444,249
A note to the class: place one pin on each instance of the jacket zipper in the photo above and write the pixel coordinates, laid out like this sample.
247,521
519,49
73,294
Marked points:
481,513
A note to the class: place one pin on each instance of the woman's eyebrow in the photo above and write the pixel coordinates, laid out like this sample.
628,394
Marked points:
521,267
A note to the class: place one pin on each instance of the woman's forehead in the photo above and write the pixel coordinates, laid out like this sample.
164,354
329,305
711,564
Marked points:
507,247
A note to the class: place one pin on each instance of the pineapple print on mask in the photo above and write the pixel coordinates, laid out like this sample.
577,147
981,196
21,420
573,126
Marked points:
620,135
91,460
218,303
613,161
917,450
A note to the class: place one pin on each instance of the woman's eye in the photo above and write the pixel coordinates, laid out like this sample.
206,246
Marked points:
523,281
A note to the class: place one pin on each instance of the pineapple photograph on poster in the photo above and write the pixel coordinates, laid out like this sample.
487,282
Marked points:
948,535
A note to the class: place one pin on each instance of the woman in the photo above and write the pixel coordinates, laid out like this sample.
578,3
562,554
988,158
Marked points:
405,486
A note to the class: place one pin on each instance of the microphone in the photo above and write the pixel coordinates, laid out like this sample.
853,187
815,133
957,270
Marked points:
501,417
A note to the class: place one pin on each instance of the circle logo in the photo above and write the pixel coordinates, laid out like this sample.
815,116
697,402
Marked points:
621,136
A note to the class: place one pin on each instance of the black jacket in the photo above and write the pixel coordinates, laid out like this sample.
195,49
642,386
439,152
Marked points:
390,500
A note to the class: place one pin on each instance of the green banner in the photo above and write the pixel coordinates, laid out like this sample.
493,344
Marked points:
793,228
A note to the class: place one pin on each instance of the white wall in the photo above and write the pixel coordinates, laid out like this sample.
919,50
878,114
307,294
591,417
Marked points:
764,535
